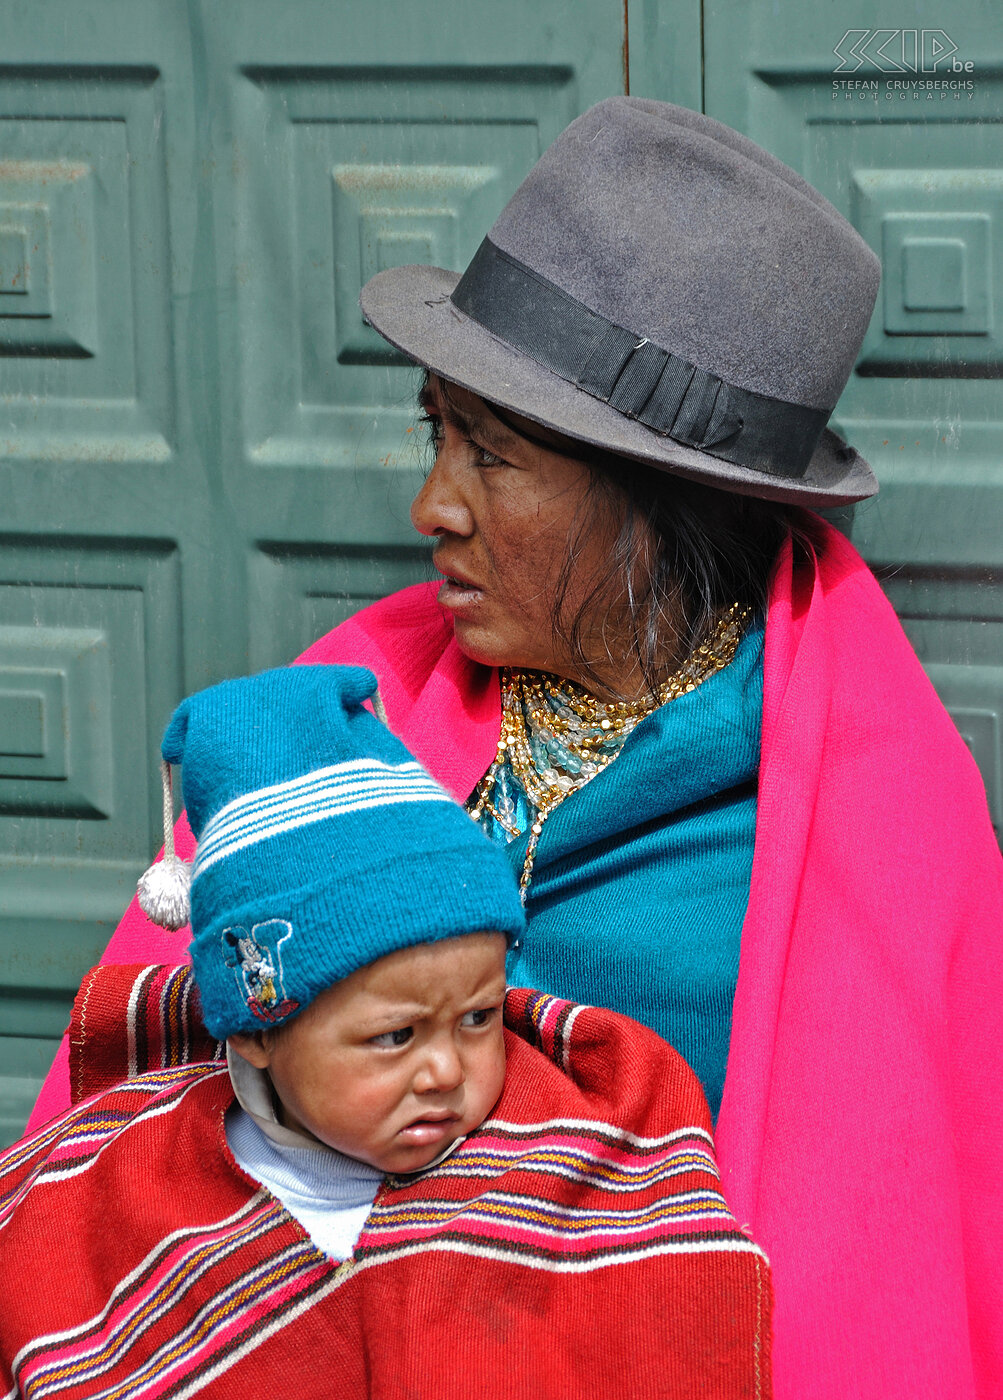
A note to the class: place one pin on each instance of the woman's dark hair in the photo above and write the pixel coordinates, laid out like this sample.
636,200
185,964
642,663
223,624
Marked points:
686,551
711,548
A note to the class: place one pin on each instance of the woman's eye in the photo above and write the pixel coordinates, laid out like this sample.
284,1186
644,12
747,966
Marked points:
434,425
480,1017
486,458
391,1039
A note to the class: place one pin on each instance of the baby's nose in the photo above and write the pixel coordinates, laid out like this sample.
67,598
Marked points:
441,1069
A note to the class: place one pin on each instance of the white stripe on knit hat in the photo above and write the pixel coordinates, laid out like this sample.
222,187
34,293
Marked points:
267,804
291,793
316,814
327,792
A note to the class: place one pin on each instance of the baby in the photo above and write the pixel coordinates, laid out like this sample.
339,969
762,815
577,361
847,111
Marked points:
401,1181
389,1067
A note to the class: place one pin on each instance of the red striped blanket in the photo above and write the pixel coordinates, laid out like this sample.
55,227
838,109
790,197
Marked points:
576,1245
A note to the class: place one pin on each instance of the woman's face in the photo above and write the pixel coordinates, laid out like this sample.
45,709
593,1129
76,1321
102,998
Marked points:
504,515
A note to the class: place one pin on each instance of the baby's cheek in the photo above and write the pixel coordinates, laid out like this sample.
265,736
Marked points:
374,1103
494,1075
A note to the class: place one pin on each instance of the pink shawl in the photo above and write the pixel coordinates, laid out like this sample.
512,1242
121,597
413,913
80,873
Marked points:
860,1135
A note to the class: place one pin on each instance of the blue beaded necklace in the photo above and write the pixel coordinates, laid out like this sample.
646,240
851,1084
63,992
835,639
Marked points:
556,736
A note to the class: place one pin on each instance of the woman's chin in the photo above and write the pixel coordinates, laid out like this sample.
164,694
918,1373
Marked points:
481,644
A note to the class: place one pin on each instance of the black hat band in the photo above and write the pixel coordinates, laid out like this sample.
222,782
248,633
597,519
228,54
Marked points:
637,378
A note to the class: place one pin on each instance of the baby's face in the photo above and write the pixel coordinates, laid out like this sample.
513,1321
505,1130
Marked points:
400,1059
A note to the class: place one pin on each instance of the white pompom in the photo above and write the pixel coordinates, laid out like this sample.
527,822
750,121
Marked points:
163,892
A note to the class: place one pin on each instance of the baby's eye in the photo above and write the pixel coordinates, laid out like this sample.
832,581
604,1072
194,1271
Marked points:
480,1017
389,1039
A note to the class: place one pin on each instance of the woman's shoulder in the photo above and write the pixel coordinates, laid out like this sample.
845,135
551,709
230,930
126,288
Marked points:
846,695
873,667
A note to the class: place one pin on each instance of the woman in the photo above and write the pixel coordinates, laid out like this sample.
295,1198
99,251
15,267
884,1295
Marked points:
787,867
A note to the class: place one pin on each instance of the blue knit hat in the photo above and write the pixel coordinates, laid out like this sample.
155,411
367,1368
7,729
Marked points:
322,844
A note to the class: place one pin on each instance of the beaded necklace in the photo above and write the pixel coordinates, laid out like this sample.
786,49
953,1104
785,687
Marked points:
555,736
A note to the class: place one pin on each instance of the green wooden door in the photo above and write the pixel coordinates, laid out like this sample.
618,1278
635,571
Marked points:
204,461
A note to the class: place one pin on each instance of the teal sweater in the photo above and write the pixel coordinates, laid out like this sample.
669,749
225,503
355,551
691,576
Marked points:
641,878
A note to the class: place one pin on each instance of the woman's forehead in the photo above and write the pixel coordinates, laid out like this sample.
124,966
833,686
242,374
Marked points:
473,414
452,400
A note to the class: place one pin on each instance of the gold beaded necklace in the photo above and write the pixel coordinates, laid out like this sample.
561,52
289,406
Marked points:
555,736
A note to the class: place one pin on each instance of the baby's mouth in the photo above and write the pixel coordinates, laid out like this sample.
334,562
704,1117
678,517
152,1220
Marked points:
432,1128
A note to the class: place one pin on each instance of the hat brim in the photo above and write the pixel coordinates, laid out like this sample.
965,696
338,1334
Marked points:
410,307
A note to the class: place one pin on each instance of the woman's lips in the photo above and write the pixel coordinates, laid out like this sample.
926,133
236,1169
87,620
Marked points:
456,594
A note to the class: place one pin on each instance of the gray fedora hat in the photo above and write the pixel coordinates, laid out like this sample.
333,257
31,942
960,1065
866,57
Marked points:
659,287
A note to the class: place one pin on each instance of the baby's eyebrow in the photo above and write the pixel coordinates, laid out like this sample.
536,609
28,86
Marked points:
393,1016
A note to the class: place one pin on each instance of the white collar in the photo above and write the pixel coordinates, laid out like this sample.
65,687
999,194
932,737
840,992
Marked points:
254,1093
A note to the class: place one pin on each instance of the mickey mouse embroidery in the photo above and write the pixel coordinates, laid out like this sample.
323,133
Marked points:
256,959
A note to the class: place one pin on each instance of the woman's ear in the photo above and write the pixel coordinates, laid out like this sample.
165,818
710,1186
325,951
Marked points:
252,1046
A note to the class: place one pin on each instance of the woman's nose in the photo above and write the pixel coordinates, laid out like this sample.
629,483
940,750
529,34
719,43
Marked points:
440,507
441,1068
